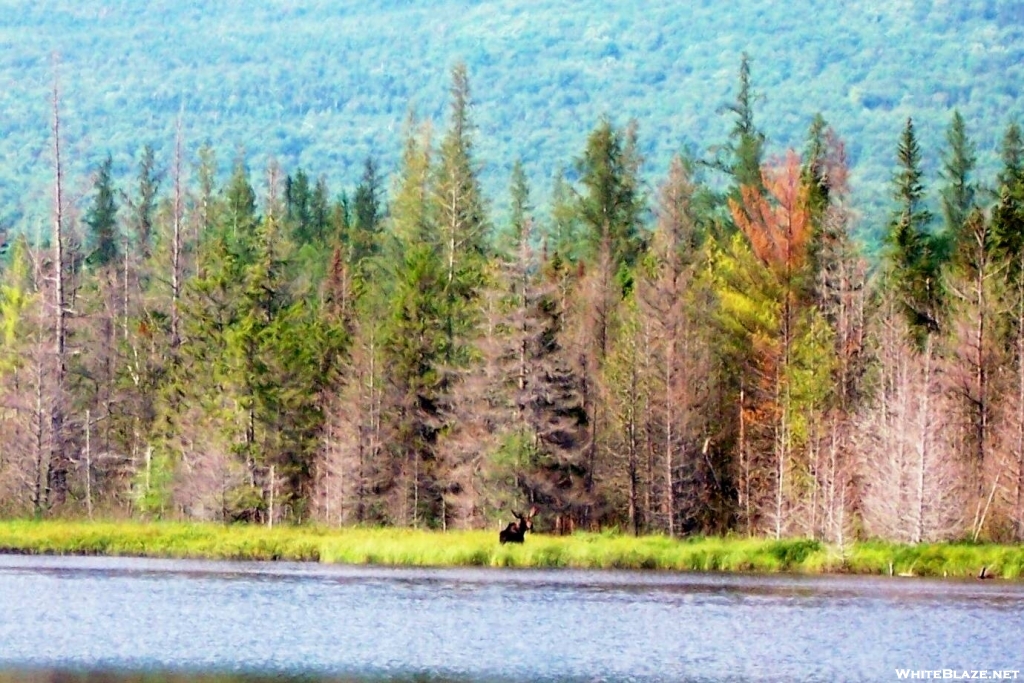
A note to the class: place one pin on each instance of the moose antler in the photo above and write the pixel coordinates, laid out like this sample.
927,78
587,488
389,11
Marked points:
515,531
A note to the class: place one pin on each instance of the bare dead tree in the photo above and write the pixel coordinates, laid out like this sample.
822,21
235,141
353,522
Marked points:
668,299
177,216
911,475
56,472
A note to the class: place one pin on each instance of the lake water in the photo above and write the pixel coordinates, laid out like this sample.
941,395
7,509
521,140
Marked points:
115,619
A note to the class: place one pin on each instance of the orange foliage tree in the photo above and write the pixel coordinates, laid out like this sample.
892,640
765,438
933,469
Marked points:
785,340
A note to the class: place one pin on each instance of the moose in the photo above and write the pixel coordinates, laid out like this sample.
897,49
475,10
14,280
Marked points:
515,531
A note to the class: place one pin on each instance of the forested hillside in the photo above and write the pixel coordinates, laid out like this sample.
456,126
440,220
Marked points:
697,358
322,85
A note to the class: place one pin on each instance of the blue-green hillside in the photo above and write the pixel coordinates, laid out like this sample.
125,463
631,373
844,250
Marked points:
322,84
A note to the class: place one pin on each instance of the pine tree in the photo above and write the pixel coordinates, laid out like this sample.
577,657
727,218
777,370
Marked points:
1007,234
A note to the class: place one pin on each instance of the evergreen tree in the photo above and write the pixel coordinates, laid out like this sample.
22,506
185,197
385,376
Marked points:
102,218
814,174
320,214
824,174
239,222
461,221
958,194
417,339
413,283
765,306
914,255
685,489
746,141
564,236
144,203
1008,214
298,209
611,202
520,221
462,230
367,214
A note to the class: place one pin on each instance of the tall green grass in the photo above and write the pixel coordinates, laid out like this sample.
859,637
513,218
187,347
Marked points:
481,548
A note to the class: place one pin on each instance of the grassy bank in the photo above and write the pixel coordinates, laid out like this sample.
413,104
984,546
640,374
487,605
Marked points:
479,548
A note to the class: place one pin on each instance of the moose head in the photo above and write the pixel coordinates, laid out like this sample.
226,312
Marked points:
516,530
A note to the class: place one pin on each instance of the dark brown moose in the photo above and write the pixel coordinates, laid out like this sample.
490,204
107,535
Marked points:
516,530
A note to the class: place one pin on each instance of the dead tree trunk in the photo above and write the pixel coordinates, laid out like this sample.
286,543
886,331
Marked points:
56,469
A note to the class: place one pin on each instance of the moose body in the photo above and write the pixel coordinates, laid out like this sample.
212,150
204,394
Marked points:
516,531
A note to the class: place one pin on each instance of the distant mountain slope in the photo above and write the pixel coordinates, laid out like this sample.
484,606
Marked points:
322,84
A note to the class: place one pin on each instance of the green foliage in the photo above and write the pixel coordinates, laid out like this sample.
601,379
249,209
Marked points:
143,202
306,86
16,299
815,171
565,238
745,151
914,252
750,299
460,212
1008,214
153,485
486,370
367,214
809,374
611,202
102,219
239,220
958,195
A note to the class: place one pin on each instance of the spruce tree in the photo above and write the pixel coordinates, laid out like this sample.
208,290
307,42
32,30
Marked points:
912,250
144,203
519,208
367,214
564,234
958,193
298,208
102,219
611,202
240,219
1008,214
413,279
746,141
815,170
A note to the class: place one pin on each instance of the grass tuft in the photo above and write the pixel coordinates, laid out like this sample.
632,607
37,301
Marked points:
413,547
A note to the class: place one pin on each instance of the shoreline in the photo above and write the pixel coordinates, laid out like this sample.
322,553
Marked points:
419,548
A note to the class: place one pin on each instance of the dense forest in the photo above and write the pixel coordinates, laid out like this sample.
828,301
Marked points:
322,85
713,356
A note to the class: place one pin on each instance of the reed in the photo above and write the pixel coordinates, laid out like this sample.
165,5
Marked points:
410,547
